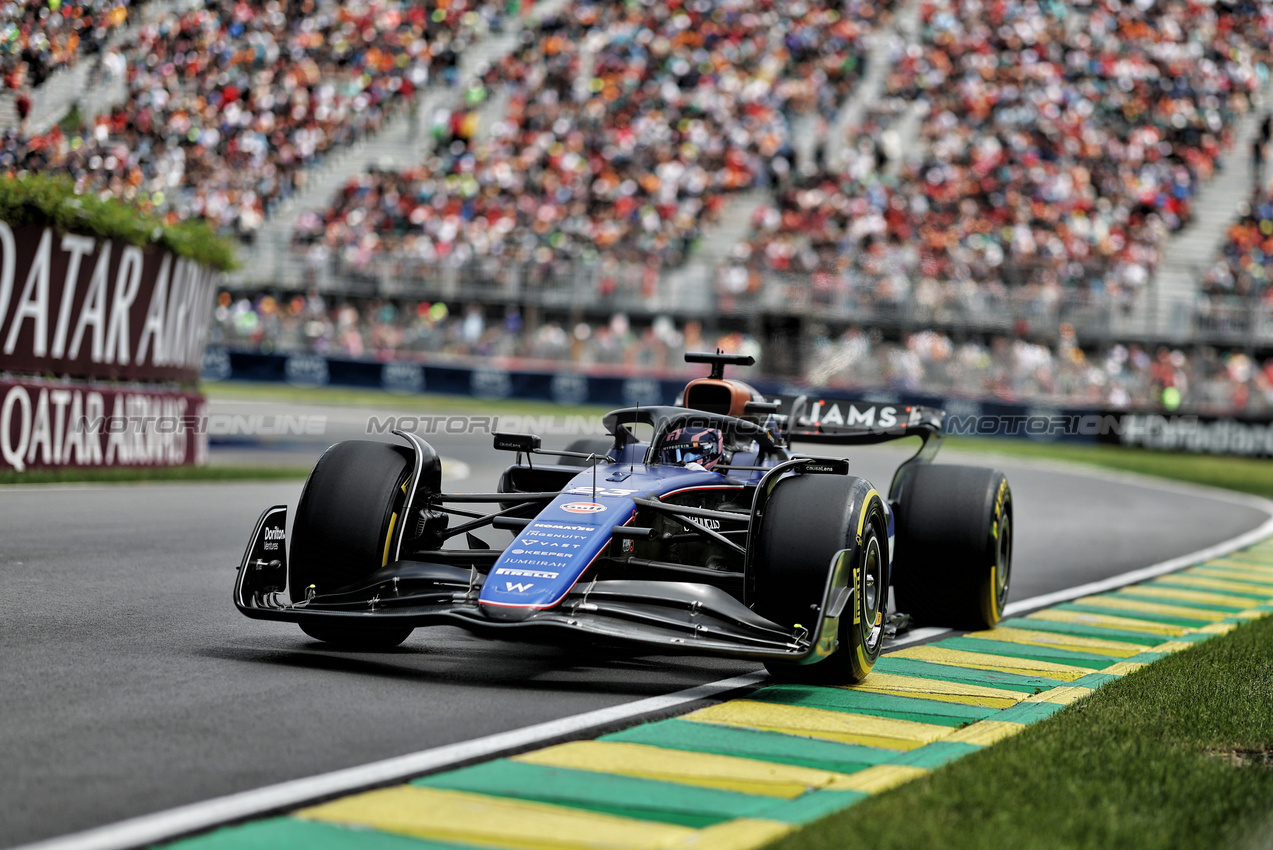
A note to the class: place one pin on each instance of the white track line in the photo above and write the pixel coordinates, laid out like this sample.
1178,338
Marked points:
184,820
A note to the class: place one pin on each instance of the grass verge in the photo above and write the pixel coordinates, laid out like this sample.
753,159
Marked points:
119,475
1247,475
1173,756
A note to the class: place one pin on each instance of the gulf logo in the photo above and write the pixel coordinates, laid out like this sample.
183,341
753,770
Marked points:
583,508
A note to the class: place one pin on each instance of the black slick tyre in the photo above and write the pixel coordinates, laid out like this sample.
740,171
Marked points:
807,520
953,560
348,513
358,637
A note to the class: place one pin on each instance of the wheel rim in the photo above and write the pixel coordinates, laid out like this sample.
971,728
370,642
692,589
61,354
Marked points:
872,591
1003,560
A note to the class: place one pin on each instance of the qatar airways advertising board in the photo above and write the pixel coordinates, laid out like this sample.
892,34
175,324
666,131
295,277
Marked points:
97,337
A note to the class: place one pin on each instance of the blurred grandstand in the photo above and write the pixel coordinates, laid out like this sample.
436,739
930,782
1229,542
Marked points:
1009,199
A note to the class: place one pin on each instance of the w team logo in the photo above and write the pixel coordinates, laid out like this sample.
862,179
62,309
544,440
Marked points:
583,508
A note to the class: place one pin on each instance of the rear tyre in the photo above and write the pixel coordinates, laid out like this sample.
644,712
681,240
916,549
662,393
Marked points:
807,520
953,561
348,513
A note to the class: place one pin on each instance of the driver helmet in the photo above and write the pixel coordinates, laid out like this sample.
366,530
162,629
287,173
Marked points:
704,446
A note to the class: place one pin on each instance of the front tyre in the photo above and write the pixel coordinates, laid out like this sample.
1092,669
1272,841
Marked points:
352,505
953,562
358,637
809,521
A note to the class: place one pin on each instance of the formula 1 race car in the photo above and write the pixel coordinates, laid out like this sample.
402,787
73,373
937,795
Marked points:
692,528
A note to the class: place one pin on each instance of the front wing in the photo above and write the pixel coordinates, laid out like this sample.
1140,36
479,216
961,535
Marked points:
670,616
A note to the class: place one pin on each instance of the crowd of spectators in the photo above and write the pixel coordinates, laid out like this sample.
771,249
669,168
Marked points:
1003,368
386,330
857,360
37,37
1062,143
626,126
1240,280
228,103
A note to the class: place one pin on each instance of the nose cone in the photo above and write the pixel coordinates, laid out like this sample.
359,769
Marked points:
506,614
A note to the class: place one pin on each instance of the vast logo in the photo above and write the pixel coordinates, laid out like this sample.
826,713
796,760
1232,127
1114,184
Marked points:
583,508
519,586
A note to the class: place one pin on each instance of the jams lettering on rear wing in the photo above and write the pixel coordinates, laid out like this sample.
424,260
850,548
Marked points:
825,418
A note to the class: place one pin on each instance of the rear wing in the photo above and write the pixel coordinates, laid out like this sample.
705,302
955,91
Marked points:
864,423
813,419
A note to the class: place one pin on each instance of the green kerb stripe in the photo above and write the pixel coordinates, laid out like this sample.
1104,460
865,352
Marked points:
1023,650
757,744
279,833
814,806
1189,623
1084,630
1130,593
966,675
627,796
934,755
1256,598
915,708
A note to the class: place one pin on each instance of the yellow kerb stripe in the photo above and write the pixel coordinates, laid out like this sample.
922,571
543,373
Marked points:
1218,628
1170,646
1119,603
821,723
986,732
740,834
1244,562
1074,643
1061,696
1122,668
1001,663
729,773
936,689
1261,591
1260,578
882,777
1158,591
439,815
1103,621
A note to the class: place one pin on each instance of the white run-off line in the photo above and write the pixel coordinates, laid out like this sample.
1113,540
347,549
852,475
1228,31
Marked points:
183,820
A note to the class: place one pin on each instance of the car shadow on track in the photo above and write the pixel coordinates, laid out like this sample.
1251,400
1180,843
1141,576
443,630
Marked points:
495,664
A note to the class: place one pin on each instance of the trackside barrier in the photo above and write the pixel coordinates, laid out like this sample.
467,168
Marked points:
1243,436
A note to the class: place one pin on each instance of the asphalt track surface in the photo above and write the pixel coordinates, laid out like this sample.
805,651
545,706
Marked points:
131,684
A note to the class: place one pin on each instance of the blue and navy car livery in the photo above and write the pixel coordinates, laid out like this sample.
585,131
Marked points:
758,551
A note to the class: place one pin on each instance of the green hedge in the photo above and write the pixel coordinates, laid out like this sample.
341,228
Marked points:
39,199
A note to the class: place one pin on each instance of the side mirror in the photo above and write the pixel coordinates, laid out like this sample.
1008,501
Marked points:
516,442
